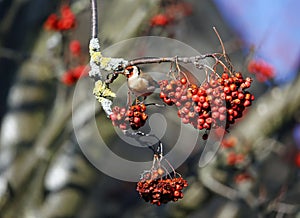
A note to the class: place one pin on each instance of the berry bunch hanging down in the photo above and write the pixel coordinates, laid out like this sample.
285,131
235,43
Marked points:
216,103
157,188
161,191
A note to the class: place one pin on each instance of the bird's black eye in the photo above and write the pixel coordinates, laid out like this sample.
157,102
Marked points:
129,69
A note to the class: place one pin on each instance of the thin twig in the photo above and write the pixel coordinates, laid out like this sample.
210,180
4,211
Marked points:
111,77
94,18
223,49
221,42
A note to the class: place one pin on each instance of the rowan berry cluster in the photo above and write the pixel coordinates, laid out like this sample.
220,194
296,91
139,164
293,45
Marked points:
161,191
172,13
75,48
242,177
71,76
234,158
229,142
137,116
216,103
237,159
232,155
134,117
262,70
65,21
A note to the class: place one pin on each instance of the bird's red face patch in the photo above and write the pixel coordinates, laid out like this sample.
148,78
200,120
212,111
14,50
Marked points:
129,71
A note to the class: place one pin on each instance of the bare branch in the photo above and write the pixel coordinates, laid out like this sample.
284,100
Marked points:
156,60
94,18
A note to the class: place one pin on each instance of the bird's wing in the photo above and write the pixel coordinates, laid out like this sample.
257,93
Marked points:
152,82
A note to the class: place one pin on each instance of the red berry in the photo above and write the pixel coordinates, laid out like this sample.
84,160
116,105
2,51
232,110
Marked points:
129,113
205,105
178,104
241,96
232,87
177,95
201,121
160,20
67,20
80,71
239,158
226,90
68,78
169,87
123,126
201,91
185,120
197,109
238,75
168,101
183,81
178,89
176,193
143,108
113,117
234,94
231,158
229,142
183,98
194,91
51,22
247,84
247,103
75,47
205,115
208,120
202,99
195,98
162,95
297,159
222,96
136,120
236,101
222,110
225,76
215,115
222,117
206,126
241,177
